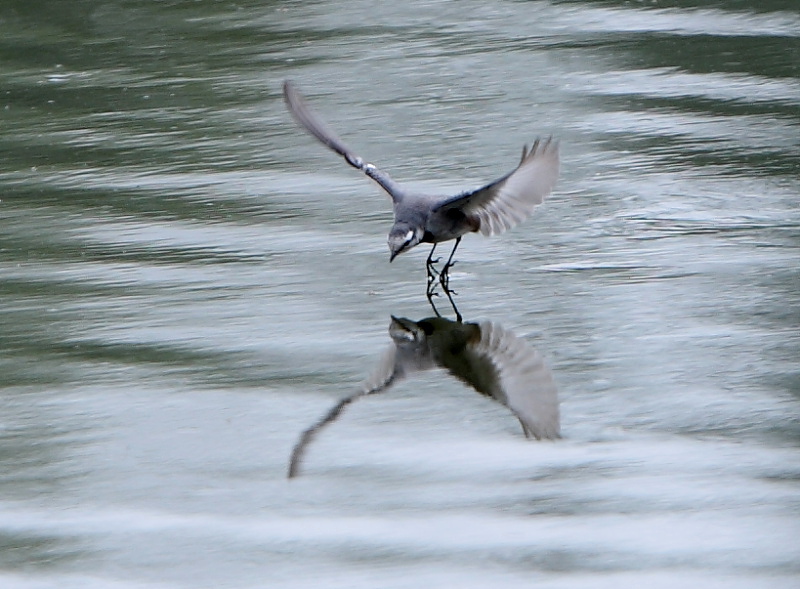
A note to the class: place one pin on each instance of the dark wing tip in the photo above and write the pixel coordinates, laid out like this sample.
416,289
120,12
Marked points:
311,122
538,144
293,98
539,147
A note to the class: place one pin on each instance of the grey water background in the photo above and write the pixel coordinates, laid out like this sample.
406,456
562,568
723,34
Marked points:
187,281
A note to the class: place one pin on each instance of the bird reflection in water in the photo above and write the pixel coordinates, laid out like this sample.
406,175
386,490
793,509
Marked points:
487,357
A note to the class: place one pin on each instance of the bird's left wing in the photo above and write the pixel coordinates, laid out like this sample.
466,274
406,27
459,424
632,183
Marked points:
510,200
383,377
312,123
385,374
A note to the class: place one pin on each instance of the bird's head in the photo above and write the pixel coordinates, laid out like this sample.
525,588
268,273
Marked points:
403,237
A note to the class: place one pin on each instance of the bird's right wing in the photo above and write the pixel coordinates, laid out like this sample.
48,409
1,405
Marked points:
312,123
498,364
510,200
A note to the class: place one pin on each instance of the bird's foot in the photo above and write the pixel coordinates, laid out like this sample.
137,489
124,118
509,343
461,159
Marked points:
448,265
449,292
431,268
430,294
444,278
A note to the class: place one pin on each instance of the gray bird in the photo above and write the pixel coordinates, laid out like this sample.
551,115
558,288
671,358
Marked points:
485,356
425,218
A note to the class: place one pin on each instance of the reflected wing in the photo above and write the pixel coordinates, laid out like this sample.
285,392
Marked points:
386,373
312,123
510,200
383,377
520,380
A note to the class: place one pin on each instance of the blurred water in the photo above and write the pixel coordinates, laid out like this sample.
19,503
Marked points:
189,281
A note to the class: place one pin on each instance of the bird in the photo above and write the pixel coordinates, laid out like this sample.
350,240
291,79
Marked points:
486,356
426,218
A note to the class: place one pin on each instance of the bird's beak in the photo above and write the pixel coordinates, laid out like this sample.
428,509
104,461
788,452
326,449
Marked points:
392,256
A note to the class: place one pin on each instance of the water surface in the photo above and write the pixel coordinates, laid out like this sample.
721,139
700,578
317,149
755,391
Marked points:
189,281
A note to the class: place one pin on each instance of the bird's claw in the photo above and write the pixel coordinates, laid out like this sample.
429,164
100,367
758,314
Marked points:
431,268
444,278
446,285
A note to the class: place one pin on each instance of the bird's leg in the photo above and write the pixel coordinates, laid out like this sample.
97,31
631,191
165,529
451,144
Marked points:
432,294
444,280
449,293
429,266
444,275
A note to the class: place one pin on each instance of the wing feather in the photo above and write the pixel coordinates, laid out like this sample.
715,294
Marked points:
312,123
506,202
522,380
385,374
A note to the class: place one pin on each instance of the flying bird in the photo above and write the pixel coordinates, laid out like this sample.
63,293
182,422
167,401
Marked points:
426,218
485,356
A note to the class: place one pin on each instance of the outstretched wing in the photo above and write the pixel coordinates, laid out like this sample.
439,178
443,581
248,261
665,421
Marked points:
510,200
383,377
520,380
386,373
502,366
312,123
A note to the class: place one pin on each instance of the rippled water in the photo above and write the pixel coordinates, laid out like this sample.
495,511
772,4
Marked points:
189,281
